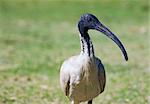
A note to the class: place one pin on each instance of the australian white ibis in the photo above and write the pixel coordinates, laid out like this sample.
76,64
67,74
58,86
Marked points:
82,77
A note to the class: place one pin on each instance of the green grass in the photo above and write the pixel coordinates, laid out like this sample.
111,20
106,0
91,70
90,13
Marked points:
37,36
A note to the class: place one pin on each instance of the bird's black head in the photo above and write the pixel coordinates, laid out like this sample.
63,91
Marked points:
89,21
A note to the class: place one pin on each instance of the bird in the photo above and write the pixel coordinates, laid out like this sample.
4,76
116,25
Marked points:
82,77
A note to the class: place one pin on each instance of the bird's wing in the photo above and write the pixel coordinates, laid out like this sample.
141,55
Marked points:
101,74
71,74
65,78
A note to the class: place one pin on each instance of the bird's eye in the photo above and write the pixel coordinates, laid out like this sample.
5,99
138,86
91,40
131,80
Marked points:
89,19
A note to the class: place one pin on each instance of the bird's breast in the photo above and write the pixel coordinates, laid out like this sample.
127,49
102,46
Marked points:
88,87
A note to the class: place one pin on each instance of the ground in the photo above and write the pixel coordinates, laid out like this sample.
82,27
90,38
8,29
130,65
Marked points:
37,36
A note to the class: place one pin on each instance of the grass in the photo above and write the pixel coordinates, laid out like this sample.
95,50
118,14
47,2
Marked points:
37,36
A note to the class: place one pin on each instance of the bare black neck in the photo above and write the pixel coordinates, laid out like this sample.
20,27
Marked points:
86,45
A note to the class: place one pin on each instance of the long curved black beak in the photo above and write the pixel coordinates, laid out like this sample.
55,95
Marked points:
100,27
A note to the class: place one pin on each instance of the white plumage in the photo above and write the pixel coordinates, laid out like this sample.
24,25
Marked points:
82,77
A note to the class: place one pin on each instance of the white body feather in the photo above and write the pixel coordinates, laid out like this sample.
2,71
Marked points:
82,78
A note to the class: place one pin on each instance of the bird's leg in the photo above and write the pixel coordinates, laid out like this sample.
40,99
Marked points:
74,102
90,102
